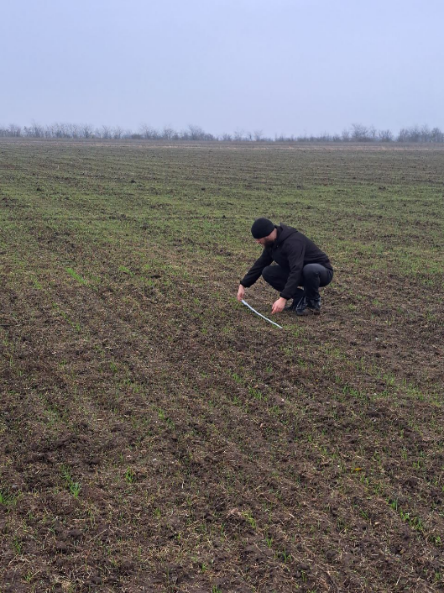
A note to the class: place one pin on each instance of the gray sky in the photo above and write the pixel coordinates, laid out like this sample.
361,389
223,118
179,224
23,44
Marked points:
280,66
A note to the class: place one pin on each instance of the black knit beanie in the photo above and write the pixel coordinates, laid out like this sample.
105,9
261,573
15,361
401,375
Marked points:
261,228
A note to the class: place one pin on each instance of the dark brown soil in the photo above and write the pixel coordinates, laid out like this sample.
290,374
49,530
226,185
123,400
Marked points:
157,436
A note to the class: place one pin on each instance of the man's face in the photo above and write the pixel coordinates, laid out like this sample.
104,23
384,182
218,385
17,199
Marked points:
267,241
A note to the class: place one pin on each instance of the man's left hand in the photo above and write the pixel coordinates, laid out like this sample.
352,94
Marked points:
278,306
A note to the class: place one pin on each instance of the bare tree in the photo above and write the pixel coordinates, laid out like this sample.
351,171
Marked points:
402,135
258,135
415,134
412,134
117,133
35,130
436,135
195,132
75,130
385,136
325,137
87,131
359,133
239,135
14,131
356,132
148,132
425,134
106,132
59,130
168,133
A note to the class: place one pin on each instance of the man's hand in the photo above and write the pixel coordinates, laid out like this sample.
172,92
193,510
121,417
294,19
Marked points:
278,306
241,293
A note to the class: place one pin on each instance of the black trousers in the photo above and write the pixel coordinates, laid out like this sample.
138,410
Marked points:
313,277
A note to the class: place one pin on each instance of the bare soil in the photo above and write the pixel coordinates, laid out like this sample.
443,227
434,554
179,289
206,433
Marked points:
157,436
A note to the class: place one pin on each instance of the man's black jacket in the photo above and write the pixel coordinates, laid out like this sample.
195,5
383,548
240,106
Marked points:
292,251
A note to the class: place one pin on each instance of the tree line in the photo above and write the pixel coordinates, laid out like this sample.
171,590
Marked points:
355,133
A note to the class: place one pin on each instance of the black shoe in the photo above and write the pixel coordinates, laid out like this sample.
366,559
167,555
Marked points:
296,299
301,307
291,307
308,307
314,305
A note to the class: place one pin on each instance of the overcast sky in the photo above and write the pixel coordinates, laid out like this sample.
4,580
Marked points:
280,66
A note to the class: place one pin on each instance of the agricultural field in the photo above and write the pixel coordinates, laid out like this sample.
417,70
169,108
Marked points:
157,436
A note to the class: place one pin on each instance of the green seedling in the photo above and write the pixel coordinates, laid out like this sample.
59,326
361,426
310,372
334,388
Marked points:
130,476
73,487
251,520
74,275
255,393
7,499
18,546
126,270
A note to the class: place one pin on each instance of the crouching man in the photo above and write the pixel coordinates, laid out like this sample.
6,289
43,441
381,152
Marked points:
298,263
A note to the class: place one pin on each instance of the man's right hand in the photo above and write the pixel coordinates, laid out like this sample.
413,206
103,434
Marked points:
241,293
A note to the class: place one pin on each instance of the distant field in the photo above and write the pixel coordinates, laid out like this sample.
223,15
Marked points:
155,435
